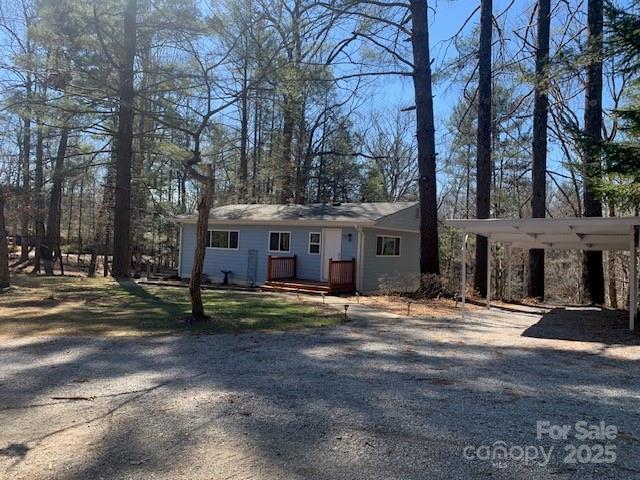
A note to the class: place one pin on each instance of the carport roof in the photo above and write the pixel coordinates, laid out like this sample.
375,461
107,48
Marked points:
593,233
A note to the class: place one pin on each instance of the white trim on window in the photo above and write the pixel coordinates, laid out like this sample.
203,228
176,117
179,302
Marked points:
279,234
318,243
394,237
228,232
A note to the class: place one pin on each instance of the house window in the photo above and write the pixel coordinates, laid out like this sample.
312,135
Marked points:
222,239
388,246
279,241
314,243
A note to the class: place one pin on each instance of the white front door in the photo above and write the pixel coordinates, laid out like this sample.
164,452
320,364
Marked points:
331,248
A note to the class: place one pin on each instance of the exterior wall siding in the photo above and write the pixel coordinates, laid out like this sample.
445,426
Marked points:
407,219
404,269
256,237
349,246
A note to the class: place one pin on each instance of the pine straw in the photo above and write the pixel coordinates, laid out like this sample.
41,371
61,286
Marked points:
439,307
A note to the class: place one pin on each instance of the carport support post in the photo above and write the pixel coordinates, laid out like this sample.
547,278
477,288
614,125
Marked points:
633,278
463,286
488,272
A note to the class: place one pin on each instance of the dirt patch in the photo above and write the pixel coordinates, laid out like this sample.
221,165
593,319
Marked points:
409,307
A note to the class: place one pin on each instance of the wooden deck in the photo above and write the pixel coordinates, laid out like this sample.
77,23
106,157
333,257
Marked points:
282,273
295,285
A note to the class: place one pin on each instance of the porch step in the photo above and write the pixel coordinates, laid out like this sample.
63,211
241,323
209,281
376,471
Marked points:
295,285
273,288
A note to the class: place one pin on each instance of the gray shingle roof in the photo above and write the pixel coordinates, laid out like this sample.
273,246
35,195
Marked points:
322,212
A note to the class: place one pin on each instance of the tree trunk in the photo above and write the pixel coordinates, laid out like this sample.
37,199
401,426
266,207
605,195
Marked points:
4,249
124,147
484,144
611,266
594,275
202,228
93,262
144,125
288,167
39,199
257,148
26,175
244,134
425,135
70,193
539,165
291,106
80,211
52,239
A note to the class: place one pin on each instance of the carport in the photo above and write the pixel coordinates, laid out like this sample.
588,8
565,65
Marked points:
594,233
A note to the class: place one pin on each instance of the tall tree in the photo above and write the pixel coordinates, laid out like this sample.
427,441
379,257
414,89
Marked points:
539,165
26,175
52,237
244,133
593,270
26,140
483,157
4,250
38,193
124,146
425,135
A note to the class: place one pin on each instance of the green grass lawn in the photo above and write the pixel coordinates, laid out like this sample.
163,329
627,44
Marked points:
78,305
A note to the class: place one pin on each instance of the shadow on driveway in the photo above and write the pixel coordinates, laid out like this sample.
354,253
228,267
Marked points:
585,324
383,399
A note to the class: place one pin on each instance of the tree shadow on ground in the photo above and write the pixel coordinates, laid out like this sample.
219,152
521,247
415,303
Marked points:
60,305
585,324
375,400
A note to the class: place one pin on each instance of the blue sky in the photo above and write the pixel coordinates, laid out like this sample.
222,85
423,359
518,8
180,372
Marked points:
445,19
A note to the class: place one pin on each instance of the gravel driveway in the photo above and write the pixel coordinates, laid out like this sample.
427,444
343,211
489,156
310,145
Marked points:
382,397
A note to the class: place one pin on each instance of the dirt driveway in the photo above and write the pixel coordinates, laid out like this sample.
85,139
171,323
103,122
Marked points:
379,398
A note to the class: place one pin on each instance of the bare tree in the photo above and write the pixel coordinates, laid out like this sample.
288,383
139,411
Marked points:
393,155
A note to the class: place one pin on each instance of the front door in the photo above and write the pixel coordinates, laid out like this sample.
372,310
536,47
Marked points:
331,248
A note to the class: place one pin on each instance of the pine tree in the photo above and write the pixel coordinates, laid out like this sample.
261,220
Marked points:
539,165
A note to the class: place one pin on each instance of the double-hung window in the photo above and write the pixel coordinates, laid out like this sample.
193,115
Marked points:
280,242
388,246
227,239
314,243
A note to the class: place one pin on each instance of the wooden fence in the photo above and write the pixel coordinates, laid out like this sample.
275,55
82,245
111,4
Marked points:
342,275
282,267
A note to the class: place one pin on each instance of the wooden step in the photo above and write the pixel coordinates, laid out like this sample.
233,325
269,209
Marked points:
320,287
273,288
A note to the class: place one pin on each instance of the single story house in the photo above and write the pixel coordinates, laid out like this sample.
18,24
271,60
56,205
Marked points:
339,247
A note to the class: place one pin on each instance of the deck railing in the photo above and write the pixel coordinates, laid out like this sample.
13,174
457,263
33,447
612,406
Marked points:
282,267
342,274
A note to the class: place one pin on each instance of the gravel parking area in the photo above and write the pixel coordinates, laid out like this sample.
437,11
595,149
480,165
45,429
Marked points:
382,397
